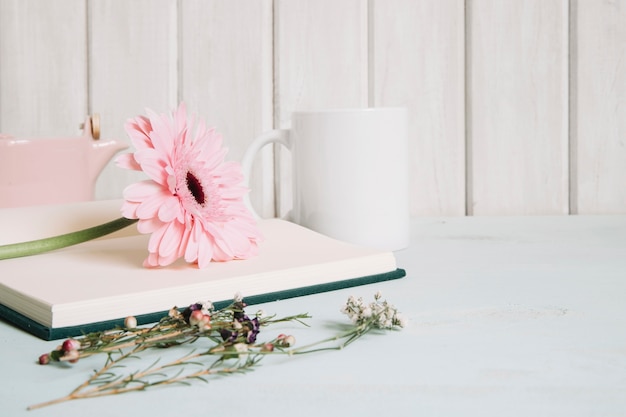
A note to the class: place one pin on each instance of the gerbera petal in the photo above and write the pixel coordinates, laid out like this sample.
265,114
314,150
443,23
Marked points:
230,173
234,192
220,256
127,160
150,225
163,133
151,261
191,249
139,132
143,125
205,250
168,260
180,118
155,240
170,209
223,249
129,209
250,228
212,159
154,164
141,190
238,243
149,207
171,238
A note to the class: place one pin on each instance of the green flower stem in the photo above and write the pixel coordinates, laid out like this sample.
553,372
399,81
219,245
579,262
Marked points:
35,247
97,385
349,336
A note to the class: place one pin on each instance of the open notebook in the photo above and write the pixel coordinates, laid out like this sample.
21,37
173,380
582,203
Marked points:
95,285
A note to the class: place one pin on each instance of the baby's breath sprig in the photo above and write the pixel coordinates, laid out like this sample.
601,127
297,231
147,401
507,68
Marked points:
365,317
377,314
233,346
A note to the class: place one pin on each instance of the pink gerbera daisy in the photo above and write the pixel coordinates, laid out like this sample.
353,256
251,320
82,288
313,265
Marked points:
193,202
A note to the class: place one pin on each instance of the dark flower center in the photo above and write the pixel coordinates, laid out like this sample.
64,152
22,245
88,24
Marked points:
195,187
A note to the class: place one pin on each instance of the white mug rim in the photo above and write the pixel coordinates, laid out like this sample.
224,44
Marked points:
349,110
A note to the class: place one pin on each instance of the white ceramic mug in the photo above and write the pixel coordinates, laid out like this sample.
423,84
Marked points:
350,173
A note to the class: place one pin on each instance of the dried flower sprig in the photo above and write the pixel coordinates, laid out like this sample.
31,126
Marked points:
232,345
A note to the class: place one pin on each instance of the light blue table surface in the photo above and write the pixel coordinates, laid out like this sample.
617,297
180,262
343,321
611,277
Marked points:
509,316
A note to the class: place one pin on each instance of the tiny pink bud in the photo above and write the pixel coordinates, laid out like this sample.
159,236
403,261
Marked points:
268,347
70,345
72,356
289,341
44,359
130,322
205,323
196,317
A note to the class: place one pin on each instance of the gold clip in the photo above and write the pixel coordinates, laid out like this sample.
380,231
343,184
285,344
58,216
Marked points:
95,126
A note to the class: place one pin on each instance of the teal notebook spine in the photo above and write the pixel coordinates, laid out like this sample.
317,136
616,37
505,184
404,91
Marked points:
50,333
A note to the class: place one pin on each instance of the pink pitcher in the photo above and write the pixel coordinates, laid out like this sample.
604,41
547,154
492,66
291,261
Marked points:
53,170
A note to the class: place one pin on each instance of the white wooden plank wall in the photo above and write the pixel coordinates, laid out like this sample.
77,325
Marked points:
598,118
517,102
517,107
43,67
417,60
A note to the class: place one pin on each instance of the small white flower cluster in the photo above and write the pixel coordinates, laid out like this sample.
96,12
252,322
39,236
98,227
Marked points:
380,314
207,307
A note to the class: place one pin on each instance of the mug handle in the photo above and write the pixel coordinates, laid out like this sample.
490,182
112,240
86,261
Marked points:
280,136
